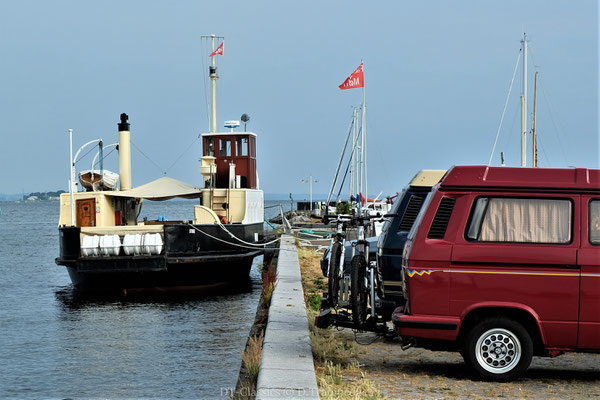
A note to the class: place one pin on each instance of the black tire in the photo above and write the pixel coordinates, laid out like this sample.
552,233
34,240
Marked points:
498,349
333,283
358,291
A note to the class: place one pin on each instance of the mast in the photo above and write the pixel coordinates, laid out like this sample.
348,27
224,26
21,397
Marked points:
212,73
213,78
533,134
71,177
353,175
524,105
364,134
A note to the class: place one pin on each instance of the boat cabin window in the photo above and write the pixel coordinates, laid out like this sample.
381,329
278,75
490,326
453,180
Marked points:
209,147
242,146
252,147
594,222
515,220
225,147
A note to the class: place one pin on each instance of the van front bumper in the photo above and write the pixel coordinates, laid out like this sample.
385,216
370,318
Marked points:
425,326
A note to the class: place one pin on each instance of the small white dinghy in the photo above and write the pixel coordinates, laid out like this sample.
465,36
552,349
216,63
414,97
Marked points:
90,179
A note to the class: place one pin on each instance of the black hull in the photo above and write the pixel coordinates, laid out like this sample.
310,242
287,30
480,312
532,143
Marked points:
189,258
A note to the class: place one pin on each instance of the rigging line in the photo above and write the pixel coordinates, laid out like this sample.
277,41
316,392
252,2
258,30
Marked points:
349,162
149,159
382,159
558,132
504,110
83,156
512,128
541,145
181,155
97,162
337,171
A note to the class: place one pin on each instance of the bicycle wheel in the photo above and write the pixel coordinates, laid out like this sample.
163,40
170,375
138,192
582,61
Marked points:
359,291
333,279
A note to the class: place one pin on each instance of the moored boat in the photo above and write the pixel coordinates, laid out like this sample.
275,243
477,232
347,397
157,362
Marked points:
104,246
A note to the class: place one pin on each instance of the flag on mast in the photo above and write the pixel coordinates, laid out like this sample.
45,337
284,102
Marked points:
355,80
218,50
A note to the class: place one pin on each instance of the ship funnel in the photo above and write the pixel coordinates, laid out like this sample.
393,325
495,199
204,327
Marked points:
124,153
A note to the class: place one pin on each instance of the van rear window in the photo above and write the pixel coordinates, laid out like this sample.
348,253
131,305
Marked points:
520,220
412,210
594,224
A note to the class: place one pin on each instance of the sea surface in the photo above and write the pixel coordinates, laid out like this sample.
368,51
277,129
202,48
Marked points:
55,343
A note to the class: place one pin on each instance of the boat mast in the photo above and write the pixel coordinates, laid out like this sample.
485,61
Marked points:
212,73
533,134
213,78
524,105
71,176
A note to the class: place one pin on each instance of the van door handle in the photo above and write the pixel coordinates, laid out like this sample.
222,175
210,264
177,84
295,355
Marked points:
572,266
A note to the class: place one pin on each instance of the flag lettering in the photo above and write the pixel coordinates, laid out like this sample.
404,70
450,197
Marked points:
356,79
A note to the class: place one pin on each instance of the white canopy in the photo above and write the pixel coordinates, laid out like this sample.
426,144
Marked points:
161,189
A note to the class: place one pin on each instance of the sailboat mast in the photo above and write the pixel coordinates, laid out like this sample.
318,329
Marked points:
534,144
353,175
524,105
364,147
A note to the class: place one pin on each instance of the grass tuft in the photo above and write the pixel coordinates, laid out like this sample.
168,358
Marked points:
269,279
333,385
252,356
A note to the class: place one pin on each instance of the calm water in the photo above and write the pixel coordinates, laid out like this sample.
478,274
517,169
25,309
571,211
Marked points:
55,344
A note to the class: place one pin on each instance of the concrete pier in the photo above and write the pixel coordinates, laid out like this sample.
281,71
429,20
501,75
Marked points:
287,370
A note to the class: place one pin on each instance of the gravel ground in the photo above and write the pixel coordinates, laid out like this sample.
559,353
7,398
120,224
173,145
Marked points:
419,373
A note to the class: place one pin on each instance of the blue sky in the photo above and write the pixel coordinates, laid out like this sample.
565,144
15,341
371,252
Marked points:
437,74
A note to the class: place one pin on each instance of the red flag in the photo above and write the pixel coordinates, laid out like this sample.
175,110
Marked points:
219,50
355,80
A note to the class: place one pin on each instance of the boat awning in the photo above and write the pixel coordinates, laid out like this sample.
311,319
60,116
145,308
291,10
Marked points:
161,189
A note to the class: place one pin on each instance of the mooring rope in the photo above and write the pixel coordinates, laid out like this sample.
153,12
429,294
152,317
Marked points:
246,245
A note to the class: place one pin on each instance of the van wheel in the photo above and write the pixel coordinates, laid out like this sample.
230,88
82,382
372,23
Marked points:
498,349
333,282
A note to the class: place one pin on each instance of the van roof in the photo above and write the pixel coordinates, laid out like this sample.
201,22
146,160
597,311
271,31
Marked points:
581,179
427,177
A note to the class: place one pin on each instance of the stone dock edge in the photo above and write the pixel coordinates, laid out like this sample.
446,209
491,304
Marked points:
287,370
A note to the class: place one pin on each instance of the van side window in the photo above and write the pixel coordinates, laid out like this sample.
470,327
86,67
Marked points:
594,222
521,220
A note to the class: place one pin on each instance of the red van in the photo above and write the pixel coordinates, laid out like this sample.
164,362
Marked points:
503,264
